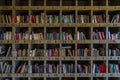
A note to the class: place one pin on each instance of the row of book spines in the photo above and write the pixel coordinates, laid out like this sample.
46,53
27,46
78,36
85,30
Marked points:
5,35
22,68
27,36
98,52
83,19
52,68
68,19
115,19
83,68
36,68
81,36
5,67
53,36
113,36
98,19
99,68
68,68
5,18
67,36
114,52
114,68
43,19
68,52
20,52
53,52
99,35
55,18
84,52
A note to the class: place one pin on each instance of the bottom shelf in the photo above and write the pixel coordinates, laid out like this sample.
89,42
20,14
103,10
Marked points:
63,78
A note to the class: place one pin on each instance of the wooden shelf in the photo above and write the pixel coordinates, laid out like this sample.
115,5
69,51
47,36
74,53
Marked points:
38,20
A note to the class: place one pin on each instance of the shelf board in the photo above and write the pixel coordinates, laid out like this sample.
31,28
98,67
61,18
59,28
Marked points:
72,58
68,8
37,41
37,7
83,24
21,58
6,58
113,41
39,58
6,7
99,74
68,74
21,8
6,75
53,41
113,8
114,74
52,24
36,25
84,8
113,57
68,41
83,41
83,58
68,24
53,58
21,41
52,7
99,41
36,74
52,75
6,41
21,74
84,74
99,58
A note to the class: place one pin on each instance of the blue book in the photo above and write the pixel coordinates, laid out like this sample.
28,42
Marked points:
66,46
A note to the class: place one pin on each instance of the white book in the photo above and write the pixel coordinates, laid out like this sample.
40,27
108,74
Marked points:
50,68
94,65
109,52
93,19
7,68
4,67
64,68
70,37
30,69
78,33
82,19
8,52
116,68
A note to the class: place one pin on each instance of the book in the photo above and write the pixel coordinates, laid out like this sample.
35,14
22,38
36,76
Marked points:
8,51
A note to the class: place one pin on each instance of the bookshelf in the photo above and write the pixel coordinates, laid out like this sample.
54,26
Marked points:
59,40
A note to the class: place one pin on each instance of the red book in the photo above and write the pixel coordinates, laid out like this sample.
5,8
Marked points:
15,19
78,52
31,19
119,19
103,35
102,68
19,69
55,35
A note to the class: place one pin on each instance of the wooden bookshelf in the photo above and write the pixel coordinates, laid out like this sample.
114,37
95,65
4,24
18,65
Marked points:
55,25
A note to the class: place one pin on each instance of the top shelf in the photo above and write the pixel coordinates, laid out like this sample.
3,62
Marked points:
59,3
